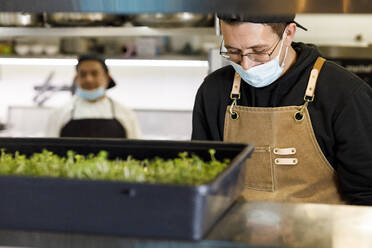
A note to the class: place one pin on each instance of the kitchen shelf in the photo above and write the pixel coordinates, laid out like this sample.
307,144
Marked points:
102,31
156,61
169,56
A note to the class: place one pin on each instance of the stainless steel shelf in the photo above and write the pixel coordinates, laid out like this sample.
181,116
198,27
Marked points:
201,57
102,31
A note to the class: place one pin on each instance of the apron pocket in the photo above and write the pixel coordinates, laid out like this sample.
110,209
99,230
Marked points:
259,169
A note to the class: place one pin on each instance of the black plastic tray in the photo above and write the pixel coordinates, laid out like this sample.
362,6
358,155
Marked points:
119,208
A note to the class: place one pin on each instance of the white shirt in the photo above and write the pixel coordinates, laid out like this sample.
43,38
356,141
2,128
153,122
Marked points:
82,109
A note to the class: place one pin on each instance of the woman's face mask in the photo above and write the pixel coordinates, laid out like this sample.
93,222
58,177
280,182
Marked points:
91,95
265,74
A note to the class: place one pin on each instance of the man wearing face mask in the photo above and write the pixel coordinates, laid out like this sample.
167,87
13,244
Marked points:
309,119
91,113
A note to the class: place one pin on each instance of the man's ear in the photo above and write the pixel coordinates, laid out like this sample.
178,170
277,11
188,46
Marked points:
290,33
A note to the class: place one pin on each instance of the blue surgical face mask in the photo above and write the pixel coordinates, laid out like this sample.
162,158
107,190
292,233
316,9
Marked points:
90,95
265,74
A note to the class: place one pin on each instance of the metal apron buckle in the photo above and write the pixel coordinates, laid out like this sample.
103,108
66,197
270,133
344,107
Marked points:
233,114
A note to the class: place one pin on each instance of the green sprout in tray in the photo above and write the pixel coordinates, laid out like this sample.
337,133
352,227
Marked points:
184,170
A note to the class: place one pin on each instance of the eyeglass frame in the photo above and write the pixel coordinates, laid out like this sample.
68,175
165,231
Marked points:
242,55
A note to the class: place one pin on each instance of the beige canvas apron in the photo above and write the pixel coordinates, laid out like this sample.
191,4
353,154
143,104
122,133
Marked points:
287,164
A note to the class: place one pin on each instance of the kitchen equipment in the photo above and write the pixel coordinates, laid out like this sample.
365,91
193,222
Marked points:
77,45
37,48
51,49
272,7
183,19
6,47
20,19
83,19
120,208
147,47
22,49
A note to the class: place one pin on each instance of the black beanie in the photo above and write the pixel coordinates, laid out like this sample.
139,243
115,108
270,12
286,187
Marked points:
259,18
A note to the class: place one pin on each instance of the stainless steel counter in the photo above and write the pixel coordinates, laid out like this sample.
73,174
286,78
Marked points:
245,225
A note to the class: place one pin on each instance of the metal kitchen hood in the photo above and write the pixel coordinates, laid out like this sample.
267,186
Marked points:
196,6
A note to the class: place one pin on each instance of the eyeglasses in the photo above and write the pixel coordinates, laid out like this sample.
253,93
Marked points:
237,56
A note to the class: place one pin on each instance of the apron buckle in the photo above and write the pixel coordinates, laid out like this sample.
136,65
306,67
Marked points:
235,96
299,115
233,114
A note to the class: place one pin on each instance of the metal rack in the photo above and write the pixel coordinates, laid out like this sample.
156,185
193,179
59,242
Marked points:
102,31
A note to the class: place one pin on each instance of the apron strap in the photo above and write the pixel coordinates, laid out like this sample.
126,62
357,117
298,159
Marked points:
309,95
234,96
235,92
73,110
112,107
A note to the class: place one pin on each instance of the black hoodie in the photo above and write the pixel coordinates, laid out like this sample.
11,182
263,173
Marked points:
341,114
